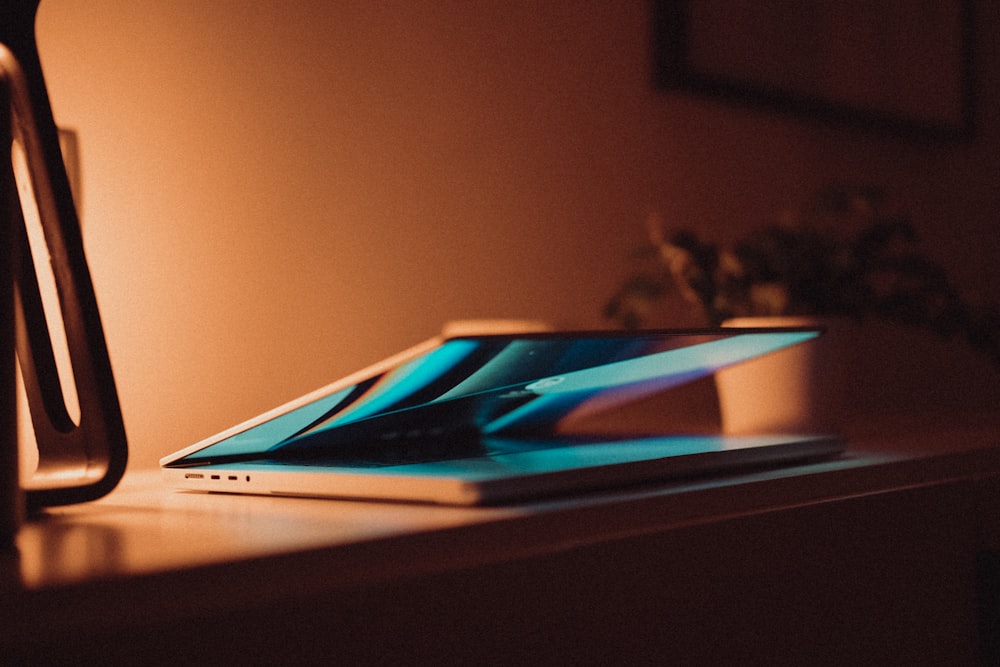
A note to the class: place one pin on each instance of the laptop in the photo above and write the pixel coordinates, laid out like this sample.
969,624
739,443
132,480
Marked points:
488,419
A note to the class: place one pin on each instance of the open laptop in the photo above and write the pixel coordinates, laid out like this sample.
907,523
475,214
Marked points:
485,419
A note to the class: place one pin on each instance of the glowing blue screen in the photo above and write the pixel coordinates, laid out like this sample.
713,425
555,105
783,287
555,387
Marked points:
467,388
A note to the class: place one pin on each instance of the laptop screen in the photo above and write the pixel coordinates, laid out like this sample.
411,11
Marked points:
467,388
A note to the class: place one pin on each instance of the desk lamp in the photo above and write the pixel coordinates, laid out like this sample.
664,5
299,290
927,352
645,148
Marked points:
76,461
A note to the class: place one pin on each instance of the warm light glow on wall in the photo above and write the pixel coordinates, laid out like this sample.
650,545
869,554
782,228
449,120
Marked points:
276,194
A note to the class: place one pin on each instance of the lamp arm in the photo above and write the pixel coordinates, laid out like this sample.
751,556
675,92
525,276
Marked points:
77,462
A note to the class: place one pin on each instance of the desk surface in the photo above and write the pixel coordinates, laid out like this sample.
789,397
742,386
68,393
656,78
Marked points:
140,545
143,527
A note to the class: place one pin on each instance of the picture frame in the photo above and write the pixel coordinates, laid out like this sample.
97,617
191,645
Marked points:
894,67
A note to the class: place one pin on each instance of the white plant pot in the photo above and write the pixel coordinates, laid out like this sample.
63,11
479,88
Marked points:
800,389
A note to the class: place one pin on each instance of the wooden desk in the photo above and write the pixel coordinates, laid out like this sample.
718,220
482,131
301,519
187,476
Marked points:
871,558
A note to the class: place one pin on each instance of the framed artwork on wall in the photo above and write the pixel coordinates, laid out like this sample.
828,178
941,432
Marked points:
898,67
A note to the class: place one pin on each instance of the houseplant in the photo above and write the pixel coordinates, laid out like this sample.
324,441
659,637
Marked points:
848,254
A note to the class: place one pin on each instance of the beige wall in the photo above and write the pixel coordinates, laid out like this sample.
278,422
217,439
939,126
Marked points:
275,194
